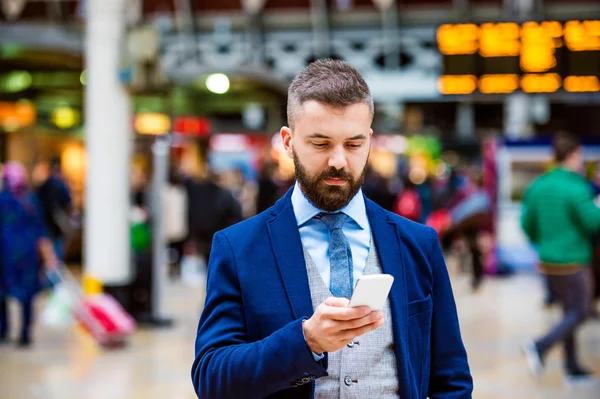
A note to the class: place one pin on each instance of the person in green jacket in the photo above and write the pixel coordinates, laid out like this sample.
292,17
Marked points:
560,217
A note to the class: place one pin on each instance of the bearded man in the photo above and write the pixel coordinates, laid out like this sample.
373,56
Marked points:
276,321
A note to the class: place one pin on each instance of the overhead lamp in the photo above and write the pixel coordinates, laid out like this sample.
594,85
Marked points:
217,83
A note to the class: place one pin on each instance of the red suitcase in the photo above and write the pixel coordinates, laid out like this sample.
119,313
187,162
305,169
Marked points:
100,314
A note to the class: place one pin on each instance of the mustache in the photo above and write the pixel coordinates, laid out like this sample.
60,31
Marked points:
334,173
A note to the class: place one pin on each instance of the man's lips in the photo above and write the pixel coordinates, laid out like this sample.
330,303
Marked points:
335,181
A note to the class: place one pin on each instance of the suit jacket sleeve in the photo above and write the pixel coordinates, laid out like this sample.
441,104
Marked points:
450,375
226,364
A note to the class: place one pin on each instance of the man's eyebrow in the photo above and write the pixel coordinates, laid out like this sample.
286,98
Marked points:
318,136
358,137
322,136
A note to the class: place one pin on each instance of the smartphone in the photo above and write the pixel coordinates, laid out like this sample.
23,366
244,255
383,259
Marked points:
371,290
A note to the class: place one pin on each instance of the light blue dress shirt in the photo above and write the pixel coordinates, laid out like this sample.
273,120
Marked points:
315,234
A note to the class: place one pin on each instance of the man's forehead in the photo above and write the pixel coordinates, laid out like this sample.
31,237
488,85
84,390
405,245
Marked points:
312,106
327,116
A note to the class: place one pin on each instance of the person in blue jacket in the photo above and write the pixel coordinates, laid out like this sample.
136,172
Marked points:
276,321
24,249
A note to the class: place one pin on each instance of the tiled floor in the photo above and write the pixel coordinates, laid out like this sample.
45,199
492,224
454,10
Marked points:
156,365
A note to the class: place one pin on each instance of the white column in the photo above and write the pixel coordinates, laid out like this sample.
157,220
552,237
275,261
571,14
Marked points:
465,120
108,141
391,35
256,50
320,24
517,115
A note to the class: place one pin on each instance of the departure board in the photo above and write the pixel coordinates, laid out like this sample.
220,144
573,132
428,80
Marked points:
533,57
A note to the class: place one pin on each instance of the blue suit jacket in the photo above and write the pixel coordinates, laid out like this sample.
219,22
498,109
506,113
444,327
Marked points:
250,342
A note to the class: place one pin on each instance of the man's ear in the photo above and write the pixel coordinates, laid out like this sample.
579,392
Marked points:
286,137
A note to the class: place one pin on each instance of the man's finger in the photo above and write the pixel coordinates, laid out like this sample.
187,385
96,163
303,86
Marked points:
337,302
363,321
345,314
357,332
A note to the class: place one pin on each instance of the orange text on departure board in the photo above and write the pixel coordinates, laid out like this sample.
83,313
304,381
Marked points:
499,40
457,84
582,36
540,83
458,39
538,46
581,83
497,84
538,40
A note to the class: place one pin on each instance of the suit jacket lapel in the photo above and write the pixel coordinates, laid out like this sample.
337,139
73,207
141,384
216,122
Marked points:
287,247
387,239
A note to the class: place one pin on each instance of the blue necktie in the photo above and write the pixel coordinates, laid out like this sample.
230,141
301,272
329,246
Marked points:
340,256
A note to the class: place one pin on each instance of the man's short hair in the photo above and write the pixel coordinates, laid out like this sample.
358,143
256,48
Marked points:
564,145
331,82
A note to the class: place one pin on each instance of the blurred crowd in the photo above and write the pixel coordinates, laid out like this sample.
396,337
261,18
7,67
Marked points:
458,206
36,220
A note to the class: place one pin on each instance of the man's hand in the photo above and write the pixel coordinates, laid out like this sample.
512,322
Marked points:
334,324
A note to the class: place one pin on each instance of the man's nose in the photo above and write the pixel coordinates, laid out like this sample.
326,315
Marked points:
337,159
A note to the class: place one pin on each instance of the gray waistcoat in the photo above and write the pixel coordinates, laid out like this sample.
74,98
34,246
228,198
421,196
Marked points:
366,368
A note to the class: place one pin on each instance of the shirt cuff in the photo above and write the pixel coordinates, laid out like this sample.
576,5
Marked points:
317,358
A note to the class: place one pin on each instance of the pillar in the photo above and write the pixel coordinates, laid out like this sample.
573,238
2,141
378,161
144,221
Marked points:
465,120
108,143
517,115
320,22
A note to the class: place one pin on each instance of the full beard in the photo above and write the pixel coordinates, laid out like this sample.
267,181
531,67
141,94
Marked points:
324,196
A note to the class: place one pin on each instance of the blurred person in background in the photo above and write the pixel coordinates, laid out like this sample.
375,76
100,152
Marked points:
139,189
175,217
245,192
425,191
560,217
24,247
595,181
472,219
408,203
375,187
455,189
268,190
210,208
55,199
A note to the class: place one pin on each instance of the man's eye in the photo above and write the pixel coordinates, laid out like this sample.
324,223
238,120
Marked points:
354,146
319,145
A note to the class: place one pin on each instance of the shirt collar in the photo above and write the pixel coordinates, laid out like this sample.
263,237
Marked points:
305,210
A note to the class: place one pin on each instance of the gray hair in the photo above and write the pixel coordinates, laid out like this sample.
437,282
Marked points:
331,82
